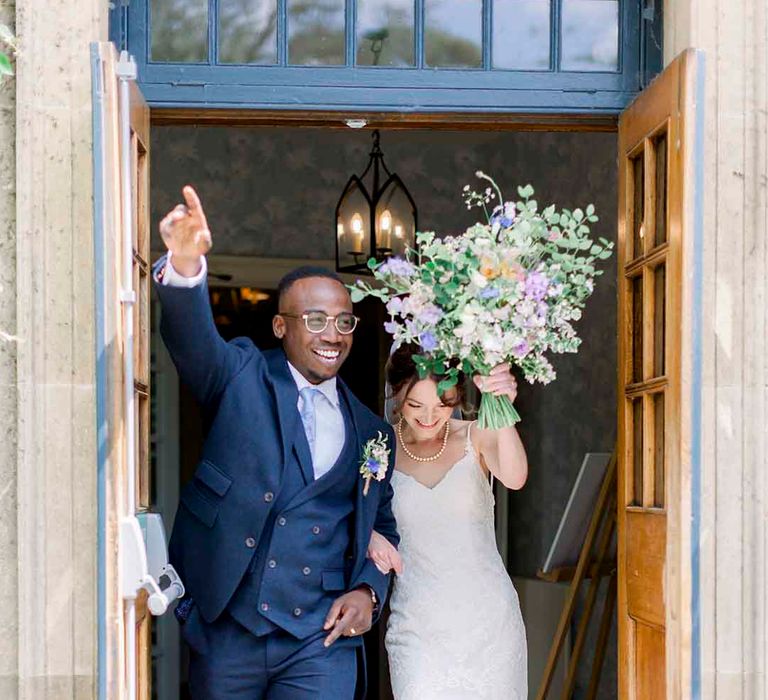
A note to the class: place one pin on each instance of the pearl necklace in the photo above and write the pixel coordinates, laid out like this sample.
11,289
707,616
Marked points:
416,458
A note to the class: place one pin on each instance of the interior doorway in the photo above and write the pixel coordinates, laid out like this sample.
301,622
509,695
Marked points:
270,193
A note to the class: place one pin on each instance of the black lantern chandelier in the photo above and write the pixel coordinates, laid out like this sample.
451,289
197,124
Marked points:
374,219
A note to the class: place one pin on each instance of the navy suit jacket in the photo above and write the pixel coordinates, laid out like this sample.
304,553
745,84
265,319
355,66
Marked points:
249,399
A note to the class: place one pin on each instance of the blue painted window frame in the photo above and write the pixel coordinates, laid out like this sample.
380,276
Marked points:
418,90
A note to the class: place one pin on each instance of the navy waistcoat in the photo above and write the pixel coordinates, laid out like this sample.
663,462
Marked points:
300,565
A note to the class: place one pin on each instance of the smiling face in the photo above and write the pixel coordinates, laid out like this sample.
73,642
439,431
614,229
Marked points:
317,356
425,412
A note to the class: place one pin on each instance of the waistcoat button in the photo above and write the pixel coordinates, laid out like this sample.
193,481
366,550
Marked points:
265,607
268,496
250,542
316,530
306,571
272,563
297,612
281,521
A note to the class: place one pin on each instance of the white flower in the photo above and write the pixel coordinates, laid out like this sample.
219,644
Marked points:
479,280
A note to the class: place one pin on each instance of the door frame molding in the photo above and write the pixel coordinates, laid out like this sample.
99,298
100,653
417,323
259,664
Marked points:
686,664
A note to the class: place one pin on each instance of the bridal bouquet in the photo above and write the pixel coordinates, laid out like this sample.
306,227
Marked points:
507,290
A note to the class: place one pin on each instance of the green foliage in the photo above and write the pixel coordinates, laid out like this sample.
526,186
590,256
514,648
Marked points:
8,39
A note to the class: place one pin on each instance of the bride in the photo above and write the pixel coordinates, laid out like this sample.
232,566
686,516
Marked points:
455,630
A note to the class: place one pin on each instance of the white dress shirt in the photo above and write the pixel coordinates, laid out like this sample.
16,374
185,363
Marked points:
330,432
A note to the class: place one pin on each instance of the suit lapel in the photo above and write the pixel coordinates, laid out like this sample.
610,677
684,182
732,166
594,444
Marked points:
361,502
291,428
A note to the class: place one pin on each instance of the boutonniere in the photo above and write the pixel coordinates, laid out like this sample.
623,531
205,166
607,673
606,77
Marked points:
375,460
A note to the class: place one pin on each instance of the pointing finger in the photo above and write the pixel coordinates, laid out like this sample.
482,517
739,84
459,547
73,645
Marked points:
192,200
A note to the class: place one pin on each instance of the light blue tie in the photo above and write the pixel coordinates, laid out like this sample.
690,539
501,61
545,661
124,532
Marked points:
308,394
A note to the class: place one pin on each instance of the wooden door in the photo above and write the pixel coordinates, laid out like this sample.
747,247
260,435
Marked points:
121,179
654,193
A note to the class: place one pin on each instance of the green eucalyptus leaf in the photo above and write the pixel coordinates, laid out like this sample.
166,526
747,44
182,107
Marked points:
5,65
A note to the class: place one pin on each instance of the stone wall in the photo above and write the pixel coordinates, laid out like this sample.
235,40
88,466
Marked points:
54,639
8,394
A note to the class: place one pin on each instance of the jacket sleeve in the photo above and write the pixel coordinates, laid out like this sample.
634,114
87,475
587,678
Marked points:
386,525
204,361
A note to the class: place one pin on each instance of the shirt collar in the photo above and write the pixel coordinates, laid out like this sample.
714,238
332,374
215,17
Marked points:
328,388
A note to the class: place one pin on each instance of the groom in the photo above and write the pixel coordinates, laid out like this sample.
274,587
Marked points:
271,535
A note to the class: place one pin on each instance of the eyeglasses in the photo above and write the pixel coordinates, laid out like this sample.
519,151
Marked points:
317,321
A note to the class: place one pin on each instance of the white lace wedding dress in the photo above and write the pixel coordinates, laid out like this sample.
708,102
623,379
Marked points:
455,632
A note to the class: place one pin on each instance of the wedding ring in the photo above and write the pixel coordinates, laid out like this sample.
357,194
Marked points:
352,630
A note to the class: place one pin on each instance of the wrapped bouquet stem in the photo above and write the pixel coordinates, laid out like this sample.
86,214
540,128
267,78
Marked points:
508,289
496,412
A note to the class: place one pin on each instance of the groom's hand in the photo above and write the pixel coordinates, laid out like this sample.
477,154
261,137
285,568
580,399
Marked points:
350,615
186,234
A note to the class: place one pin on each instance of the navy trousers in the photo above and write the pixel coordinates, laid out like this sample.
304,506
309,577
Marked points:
230,663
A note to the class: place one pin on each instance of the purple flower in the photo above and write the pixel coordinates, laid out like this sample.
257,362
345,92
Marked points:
394,306
490,293
390,327
520,349
427,341
536,285
430,315
504,214
372,465
397,266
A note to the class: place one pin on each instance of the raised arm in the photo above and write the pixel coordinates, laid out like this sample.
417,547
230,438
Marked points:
501,451
205,362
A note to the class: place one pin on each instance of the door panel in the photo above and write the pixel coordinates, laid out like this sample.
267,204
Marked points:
122,228
652,191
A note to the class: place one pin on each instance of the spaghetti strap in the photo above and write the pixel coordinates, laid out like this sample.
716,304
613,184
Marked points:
469,434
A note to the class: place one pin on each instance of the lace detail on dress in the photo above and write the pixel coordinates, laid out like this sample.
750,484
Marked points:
455,632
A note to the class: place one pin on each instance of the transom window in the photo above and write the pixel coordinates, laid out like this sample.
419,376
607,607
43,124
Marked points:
385,32
496,55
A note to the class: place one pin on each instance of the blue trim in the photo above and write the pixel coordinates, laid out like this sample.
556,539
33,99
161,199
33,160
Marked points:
555,35
118,25
487,28
413,89
213,31
419,14
282,32
696,392
102,446
651,40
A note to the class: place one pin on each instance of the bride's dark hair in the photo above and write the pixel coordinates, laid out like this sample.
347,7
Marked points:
401,373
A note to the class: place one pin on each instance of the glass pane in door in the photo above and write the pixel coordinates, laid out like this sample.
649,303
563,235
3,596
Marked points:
659,319
637,328
637,207
658,450
637,453
660,193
